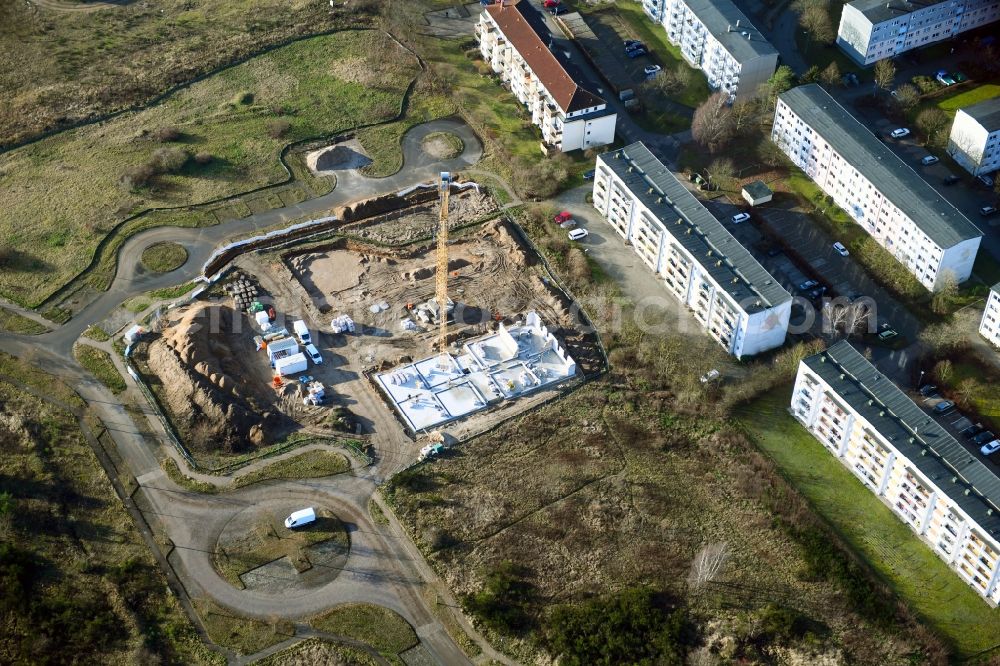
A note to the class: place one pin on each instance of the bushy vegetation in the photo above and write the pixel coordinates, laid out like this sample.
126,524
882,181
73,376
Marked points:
504,602
631,627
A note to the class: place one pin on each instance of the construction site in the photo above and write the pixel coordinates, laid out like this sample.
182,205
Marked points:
320,333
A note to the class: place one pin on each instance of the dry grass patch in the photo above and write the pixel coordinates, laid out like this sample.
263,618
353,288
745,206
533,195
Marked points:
381,628
163,257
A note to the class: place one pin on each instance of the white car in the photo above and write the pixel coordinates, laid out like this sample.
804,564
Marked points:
929,160
314,354
740,217
991,448
900,133
841,250
650,70
578,234
710,375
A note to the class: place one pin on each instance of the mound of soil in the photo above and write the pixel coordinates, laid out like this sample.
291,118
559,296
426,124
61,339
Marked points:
338,158
215,386
442,145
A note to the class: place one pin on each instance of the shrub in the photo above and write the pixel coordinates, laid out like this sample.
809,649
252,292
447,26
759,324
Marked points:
203,158
165,134
169,160
503,602
138,176
278,128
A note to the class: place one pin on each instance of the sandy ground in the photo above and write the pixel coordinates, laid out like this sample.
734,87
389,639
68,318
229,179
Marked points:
338,157
440,147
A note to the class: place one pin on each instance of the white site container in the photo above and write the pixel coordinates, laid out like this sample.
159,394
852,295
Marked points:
300,518
282,347
290,365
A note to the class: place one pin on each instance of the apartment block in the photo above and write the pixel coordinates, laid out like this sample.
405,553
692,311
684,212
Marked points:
688,250
515,41
948,497
989,327
975,137
718,39
880,192
871,30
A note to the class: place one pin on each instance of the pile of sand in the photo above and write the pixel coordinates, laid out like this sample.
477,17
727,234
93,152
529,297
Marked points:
205,383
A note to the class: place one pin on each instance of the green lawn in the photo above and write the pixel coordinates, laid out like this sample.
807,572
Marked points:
99,363
952,103
655,38
821,55
69,186
985,398
13,322
379,627
922,580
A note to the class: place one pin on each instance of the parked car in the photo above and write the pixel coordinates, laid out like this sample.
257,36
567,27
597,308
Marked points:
631,43
740,217
651,70
899,133
943,406
887,334
568,224
944,78
807,285
841,250
928,389
987,211
959,77
314,354
709,376
775,251
588,175
578,234
635,53
559,218
549,4
983,437
990,448
557,10
985,180
816,293
951,180
972,431
929,160
300,518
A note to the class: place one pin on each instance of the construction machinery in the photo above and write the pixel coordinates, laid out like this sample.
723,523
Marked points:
441,292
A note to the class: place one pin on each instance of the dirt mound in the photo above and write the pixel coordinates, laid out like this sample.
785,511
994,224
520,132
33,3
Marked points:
208,371
340,157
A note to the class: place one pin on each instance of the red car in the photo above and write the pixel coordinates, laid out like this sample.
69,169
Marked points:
549,4
563,216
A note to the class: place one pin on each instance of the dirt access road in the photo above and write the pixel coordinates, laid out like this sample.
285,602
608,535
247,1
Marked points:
384,567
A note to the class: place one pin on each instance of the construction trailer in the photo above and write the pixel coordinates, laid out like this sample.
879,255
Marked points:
291,365
278,349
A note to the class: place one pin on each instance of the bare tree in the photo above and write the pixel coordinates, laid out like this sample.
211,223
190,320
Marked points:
723,172
941,301
883,73
712,125
831,76
744,111
907,96
944,338
815,19
966,390
708,564
943,370
932,121
852,318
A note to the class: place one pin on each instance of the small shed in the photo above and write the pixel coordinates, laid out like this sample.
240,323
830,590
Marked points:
757,193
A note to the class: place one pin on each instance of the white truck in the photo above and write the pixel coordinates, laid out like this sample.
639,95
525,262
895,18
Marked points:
300,518
302,331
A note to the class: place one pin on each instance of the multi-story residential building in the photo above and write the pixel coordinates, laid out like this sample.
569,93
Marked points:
948,497
515,42
718,39
989,327
871,30
975,137
731,296
880,192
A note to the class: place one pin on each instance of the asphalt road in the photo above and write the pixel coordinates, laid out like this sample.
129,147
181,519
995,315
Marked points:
383,567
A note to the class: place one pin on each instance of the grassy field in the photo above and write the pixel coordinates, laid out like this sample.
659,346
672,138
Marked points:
379,627
655,37
219,137
239,633
308,465
62,67
317,651
77,577
163,257
98,363
909,566
952,103
984,396
12,322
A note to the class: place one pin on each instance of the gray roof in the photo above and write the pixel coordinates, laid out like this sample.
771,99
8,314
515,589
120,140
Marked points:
996,288
757,189
896,180
878,11
918,437
986,113
720,18
721,255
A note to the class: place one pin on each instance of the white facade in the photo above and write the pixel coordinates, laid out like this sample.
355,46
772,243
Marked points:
718,39
922,489
989,327
570,117
975,137
670,231
931,238
871,30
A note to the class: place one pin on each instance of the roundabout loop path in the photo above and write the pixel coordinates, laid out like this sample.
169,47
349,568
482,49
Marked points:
383,566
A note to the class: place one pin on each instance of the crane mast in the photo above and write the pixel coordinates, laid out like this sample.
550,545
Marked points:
441,295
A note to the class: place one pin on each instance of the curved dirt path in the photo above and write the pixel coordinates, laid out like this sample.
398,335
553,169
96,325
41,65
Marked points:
76,7
383,567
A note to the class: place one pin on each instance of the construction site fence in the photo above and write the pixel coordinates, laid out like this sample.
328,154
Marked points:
154,404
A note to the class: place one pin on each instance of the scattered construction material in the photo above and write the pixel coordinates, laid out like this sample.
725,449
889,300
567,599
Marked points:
501,366
343,324
244,293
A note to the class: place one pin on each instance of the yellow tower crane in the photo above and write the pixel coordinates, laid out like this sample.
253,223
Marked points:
441,295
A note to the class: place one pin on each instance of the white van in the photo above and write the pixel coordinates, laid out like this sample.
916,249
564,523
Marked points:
302,331
300,518
314,354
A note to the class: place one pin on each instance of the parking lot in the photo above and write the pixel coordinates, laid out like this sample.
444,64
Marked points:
957,424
